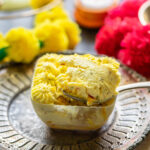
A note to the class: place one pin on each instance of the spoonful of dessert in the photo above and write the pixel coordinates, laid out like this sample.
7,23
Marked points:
119,89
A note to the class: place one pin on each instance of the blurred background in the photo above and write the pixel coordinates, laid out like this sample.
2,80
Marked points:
104,27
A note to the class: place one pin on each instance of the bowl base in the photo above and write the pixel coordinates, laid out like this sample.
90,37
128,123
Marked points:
25,121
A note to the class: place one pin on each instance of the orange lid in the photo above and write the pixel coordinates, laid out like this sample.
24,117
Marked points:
92,17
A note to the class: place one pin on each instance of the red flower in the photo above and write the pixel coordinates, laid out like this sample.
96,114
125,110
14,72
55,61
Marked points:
136,50
106,43
110,36
128,8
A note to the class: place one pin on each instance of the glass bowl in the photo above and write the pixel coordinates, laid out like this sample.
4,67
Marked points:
22,17
82,118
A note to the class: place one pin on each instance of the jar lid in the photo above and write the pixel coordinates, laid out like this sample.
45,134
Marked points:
91,14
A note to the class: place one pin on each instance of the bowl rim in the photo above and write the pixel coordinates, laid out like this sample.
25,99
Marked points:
141,11
31,12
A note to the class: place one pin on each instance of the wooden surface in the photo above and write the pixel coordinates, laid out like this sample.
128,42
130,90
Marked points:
145,145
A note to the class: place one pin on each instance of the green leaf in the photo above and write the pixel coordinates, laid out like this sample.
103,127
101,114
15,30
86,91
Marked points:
3,53
41,43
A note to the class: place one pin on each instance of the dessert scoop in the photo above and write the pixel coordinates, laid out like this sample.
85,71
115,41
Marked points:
119,89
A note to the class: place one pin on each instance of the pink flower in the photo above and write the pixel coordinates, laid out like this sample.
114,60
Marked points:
136,50
106,43
128,8
110,36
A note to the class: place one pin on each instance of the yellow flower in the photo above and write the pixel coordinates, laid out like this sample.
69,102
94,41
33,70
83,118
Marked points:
39,3
53,37
23,45
52,15
59,17
3,42
72,30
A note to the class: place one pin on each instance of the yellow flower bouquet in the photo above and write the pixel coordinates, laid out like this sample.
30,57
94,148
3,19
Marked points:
53,31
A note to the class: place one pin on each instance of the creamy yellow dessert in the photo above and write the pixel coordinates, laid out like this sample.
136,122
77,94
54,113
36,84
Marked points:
93,79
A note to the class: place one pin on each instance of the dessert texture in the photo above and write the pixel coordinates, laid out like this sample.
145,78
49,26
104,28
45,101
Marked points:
93,79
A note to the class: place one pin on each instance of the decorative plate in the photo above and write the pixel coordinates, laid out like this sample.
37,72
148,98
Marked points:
20,128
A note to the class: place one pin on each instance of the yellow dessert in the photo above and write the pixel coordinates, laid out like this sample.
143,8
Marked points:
93,79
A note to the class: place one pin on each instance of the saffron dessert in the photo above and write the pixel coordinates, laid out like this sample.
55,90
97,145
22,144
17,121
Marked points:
92,79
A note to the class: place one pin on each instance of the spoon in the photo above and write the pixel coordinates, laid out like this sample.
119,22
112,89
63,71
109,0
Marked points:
119,89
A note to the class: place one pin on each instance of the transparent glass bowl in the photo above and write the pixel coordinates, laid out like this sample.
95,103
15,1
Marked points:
22,17
68,117
82,118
